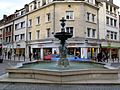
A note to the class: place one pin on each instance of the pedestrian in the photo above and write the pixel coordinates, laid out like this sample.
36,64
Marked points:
99,57
9,55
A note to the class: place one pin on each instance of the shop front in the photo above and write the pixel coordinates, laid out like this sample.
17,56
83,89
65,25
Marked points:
83,52
19,50
44,51
36,53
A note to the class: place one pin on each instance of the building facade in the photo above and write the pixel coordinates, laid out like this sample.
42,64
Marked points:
7,35
43,23
109,28
20,28
93,23
1,35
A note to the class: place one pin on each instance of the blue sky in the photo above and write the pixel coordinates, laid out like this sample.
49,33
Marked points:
9,6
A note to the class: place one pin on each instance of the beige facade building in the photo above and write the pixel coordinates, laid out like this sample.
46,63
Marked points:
90,21
81,18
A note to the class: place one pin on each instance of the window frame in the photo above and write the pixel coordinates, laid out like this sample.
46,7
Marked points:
69,15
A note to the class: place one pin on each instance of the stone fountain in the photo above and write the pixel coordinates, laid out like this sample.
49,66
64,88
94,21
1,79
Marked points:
49,71
63,36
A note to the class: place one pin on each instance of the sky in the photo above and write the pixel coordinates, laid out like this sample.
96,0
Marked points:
9,6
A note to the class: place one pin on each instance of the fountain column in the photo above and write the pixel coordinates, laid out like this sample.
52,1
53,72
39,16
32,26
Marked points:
63,36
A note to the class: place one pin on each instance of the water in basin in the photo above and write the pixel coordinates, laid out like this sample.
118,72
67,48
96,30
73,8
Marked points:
54,66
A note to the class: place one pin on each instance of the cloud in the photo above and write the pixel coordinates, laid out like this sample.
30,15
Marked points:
9,6
5,5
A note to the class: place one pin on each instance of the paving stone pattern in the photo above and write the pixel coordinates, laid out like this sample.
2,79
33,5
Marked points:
25,86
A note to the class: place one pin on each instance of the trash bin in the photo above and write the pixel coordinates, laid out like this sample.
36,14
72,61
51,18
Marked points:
1,58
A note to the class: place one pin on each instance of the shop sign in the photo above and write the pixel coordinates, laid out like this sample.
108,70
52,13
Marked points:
93,44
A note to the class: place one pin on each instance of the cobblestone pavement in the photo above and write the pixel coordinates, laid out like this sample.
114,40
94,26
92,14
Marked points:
24,86
7,64
28,86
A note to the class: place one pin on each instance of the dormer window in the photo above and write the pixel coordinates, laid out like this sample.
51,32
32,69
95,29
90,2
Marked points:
23,12
31,7
48,1
38,4
17,14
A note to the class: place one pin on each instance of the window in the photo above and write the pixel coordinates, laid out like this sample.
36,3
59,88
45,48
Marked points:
107,20
110,8
9,38
22,24
23,12
30,23
108,34
69,15
6,39
111,35
93,33
107,7
37,34
115,23
17,26
114,10
111,21
115,35
93,18
29,36
88,16
88,32
16,37
48,32
17,14
37,20
48,17
69,29
22,36
31,7
39,4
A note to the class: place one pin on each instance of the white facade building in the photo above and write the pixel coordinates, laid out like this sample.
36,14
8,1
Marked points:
109,27
20,32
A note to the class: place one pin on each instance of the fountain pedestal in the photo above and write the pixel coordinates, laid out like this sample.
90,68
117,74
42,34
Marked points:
63,36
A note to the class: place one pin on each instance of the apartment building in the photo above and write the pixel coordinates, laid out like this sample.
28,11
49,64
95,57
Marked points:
43,23
1,35
109,28
6,30
93,23
20,29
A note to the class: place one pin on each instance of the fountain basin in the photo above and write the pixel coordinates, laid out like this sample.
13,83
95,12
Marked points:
63,75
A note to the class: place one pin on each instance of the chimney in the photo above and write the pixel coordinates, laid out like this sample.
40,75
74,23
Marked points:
111,1
4,16
26,7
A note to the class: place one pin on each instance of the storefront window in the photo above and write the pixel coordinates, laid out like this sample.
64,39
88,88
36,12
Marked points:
36,53
47,53
74,52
